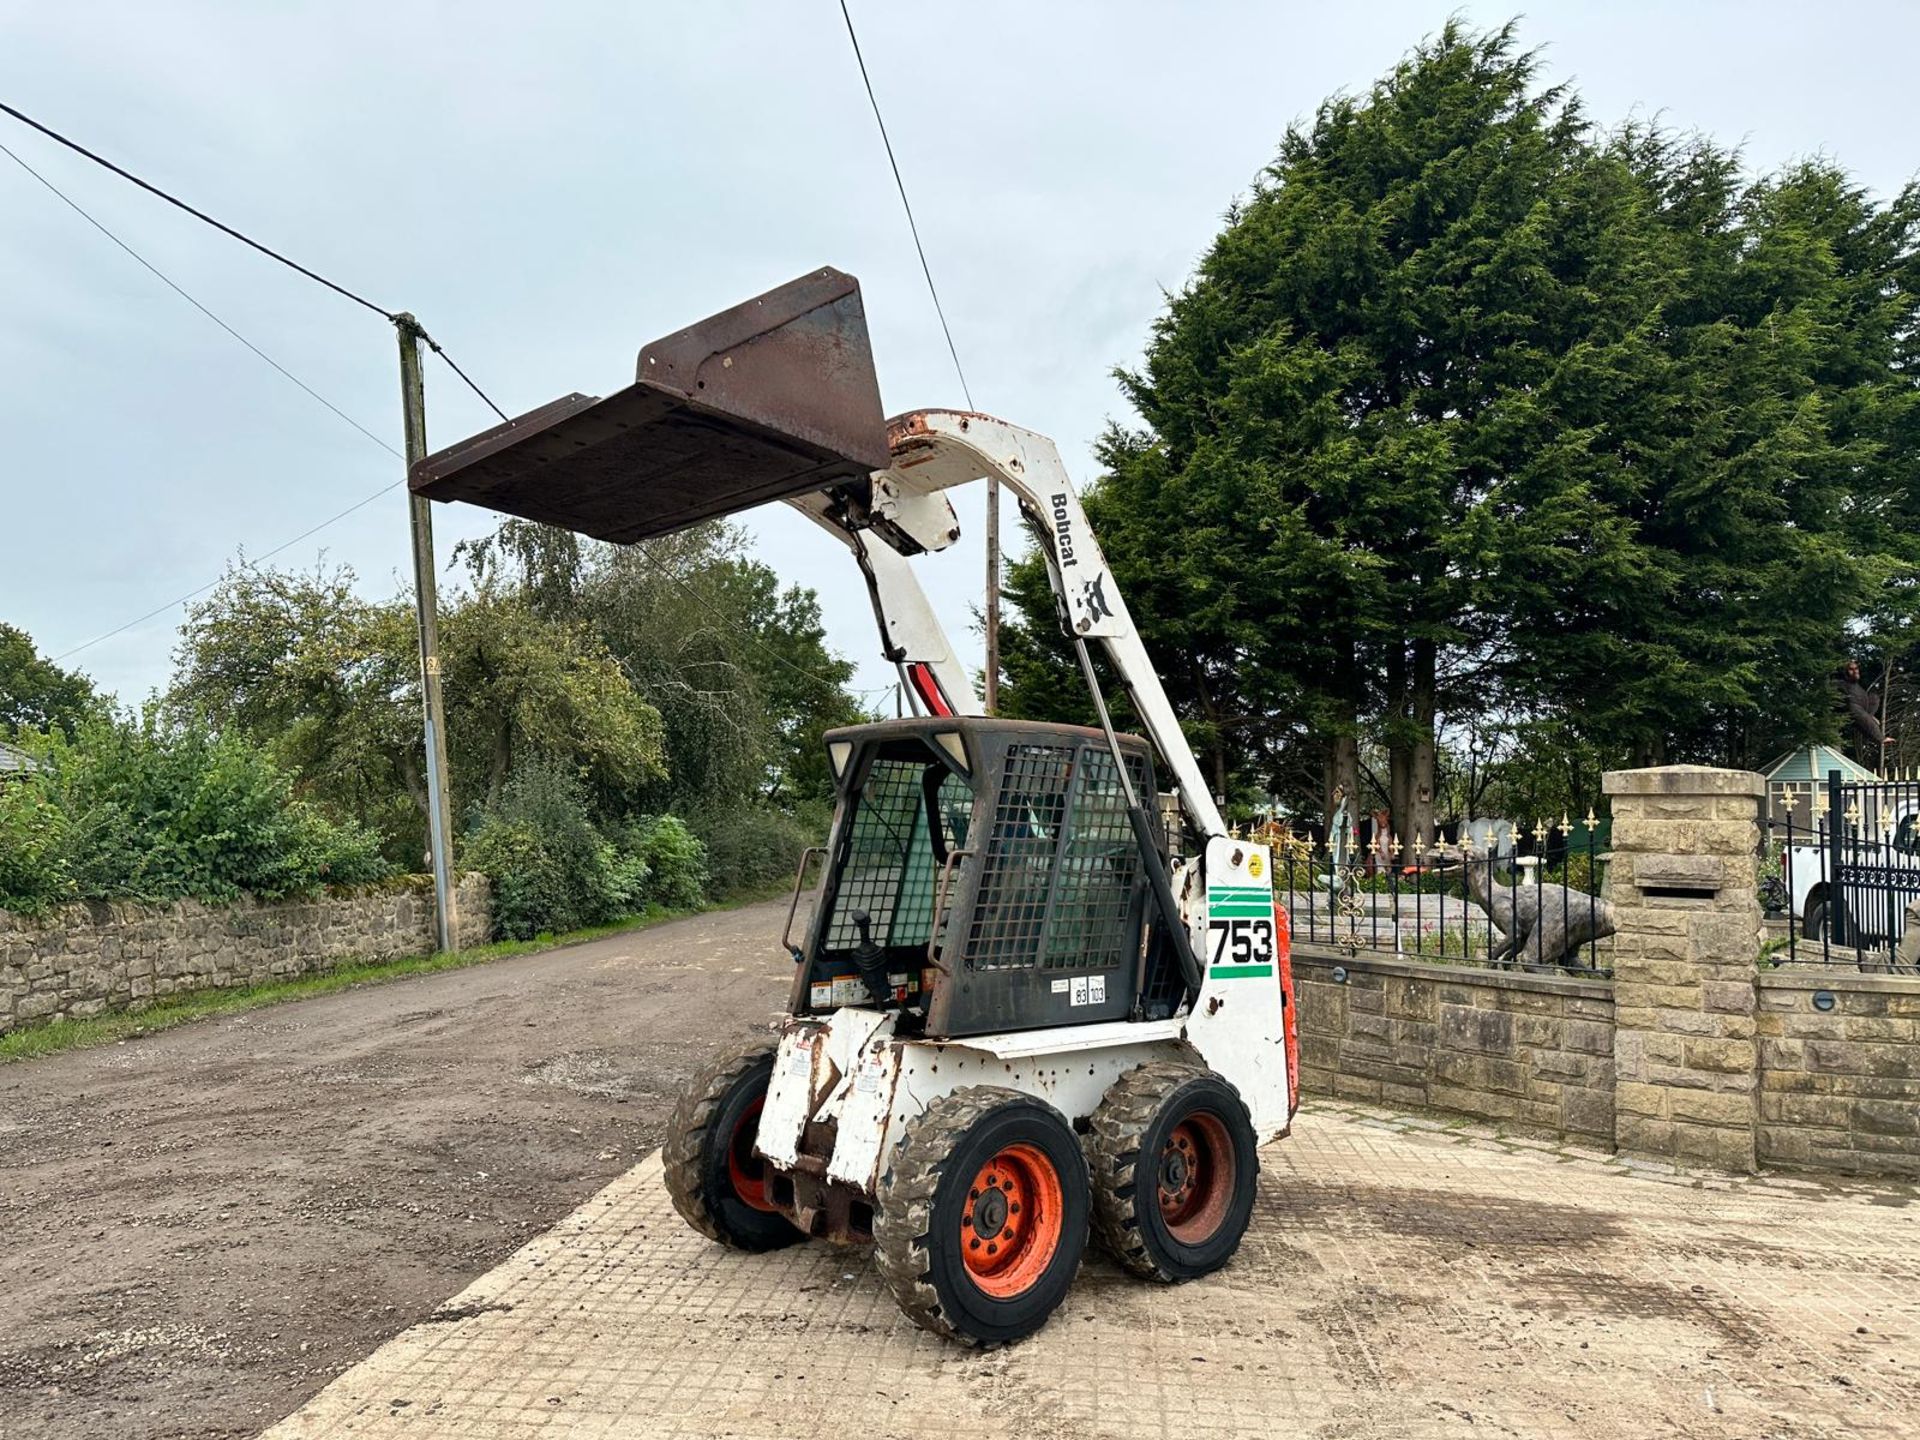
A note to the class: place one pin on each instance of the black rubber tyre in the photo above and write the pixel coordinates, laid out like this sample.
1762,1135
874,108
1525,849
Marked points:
716,1181
1179,1215
1814,927
937,1243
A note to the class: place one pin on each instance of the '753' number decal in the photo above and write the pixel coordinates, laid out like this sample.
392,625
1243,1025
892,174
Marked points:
1242,942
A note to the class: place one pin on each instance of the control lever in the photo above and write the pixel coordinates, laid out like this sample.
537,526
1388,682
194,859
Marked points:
870,960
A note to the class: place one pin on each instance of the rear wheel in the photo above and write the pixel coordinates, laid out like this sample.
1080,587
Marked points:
1174,1160
718,1183
1815,925
982,1215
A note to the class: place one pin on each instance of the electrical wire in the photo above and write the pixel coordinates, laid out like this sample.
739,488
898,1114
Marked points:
225,229
201,215
245,564
432,344
174,286
906,204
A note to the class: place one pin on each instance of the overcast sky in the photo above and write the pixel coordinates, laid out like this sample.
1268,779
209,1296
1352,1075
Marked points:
549,187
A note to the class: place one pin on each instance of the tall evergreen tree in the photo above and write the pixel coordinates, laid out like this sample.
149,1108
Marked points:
1468,405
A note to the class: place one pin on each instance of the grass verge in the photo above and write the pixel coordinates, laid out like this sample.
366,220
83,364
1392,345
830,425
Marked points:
54,1036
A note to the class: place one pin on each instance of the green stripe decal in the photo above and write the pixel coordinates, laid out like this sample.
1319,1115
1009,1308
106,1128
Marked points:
1239,912
1238,890
1240,972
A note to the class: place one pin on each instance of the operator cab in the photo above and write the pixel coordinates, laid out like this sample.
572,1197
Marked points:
982,876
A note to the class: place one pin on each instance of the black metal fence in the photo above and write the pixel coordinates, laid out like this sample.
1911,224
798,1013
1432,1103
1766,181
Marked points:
1536,907
1848,877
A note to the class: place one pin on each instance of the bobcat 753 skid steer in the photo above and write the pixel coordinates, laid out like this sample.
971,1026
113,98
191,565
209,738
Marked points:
1015,1022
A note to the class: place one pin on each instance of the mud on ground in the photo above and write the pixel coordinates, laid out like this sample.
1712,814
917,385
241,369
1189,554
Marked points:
199,1229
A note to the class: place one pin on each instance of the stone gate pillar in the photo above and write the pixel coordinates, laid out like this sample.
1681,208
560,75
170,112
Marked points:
1684,886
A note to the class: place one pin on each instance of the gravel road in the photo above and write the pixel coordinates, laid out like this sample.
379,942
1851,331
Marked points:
201,1228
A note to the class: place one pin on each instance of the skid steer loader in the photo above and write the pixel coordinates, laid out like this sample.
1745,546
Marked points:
1016,1022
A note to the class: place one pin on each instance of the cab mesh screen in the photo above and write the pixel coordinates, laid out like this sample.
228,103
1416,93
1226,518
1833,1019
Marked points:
1060,882
891,869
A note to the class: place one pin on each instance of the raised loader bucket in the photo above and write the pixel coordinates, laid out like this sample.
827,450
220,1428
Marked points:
772,398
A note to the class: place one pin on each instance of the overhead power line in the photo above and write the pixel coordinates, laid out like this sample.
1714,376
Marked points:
906,204
245,563
178,203
244,239
174,286
392,316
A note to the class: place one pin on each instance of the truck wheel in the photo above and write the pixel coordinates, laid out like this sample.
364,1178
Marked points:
981,1217
1815,927
718,1184
1174,1160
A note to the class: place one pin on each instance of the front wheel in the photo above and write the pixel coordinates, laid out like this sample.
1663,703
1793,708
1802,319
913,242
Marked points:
982,1216
717,1181
1815,926
1174,1160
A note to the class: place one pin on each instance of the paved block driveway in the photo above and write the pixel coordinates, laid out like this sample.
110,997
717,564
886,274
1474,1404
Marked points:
1401,1279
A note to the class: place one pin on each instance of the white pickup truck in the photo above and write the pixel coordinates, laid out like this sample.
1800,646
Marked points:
1881,868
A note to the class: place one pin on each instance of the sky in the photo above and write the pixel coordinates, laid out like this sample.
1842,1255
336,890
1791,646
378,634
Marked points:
550,187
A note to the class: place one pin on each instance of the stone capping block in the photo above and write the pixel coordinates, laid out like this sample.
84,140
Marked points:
1452,974
1684,780
1687,872
1802,977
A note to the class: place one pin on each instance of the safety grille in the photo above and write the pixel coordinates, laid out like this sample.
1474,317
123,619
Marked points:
891,868
1059,885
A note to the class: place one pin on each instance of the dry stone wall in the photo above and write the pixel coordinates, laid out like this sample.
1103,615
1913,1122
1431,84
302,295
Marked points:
89,959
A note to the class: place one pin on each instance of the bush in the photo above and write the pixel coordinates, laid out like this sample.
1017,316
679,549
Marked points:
550,868
140,810
33,848
553,869
753,848
675,860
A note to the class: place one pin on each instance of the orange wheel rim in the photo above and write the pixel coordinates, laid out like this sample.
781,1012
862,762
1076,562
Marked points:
1011,1224
746,1171
1196,1177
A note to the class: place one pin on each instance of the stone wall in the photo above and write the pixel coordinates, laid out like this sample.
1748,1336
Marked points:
1531,1051
88,959
1840,1071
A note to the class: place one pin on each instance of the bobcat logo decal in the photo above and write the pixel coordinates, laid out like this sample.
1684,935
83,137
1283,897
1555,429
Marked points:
1094,597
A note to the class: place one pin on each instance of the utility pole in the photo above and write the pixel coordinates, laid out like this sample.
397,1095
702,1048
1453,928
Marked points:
426,601
993,596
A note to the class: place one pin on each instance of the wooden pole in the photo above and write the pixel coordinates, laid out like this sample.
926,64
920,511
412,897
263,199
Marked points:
426,601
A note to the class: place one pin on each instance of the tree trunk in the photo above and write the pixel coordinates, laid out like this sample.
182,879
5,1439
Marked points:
1395,738
1217,751
1343,746
1343,776
501,764
1419,812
